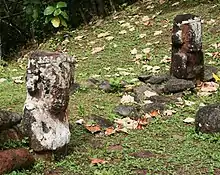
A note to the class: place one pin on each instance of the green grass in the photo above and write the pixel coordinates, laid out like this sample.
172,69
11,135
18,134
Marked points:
178,149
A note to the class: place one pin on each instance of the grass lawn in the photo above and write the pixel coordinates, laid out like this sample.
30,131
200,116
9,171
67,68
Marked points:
168,146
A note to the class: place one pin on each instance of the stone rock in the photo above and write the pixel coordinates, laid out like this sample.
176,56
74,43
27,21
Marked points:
15,159
105,86
92,82
74,87
11,134
8,119
154,79
45,120
177,85
208,119
139,92
126,111
160,99
208,70
187,57
147,108
101,121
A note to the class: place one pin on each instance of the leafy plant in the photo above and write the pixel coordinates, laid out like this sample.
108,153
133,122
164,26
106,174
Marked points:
56,15
32,9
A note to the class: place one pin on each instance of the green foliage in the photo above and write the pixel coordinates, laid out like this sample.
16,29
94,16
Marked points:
32,9
56,15
15,144
116,83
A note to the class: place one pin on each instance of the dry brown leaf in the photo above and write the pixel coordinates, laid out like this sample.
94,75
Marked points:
109,131
127,123
93,128
154,113
133,51
103,34
97,49
123,32
162,1
109,38
127,99
145,18
209,87
143,35
96,161
147,23
158,32
146,50
189,120
78,38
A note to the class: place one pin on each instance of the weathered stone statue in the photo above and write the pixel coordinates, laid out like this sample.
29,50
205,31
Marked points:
187,56
48,81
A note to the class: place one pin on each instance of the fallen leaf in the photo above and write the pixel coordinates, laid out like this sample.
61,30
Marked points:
134,51
148,93
154,113
93,128
146,50
145,18
175,4
147,67
215,77
115,17
103,34
127,123
124,73
109,131
209,87
147,102
128,25
122,21
158,32
189,120
189,103
91,43
124,130
123,32
209,54
166,59
109,38
147,23
204,93
216,45
97,49
80,121
162,1
138,57
18,81
143,121
17,78
131,29
150,7
127,99
115,45
78,38
96,161
155,69
169,112
2,80
143,35
211,21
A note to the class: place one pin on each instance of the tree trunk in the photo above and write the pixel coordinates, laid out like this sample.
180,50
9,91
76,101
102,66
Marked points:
45,121
187,56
